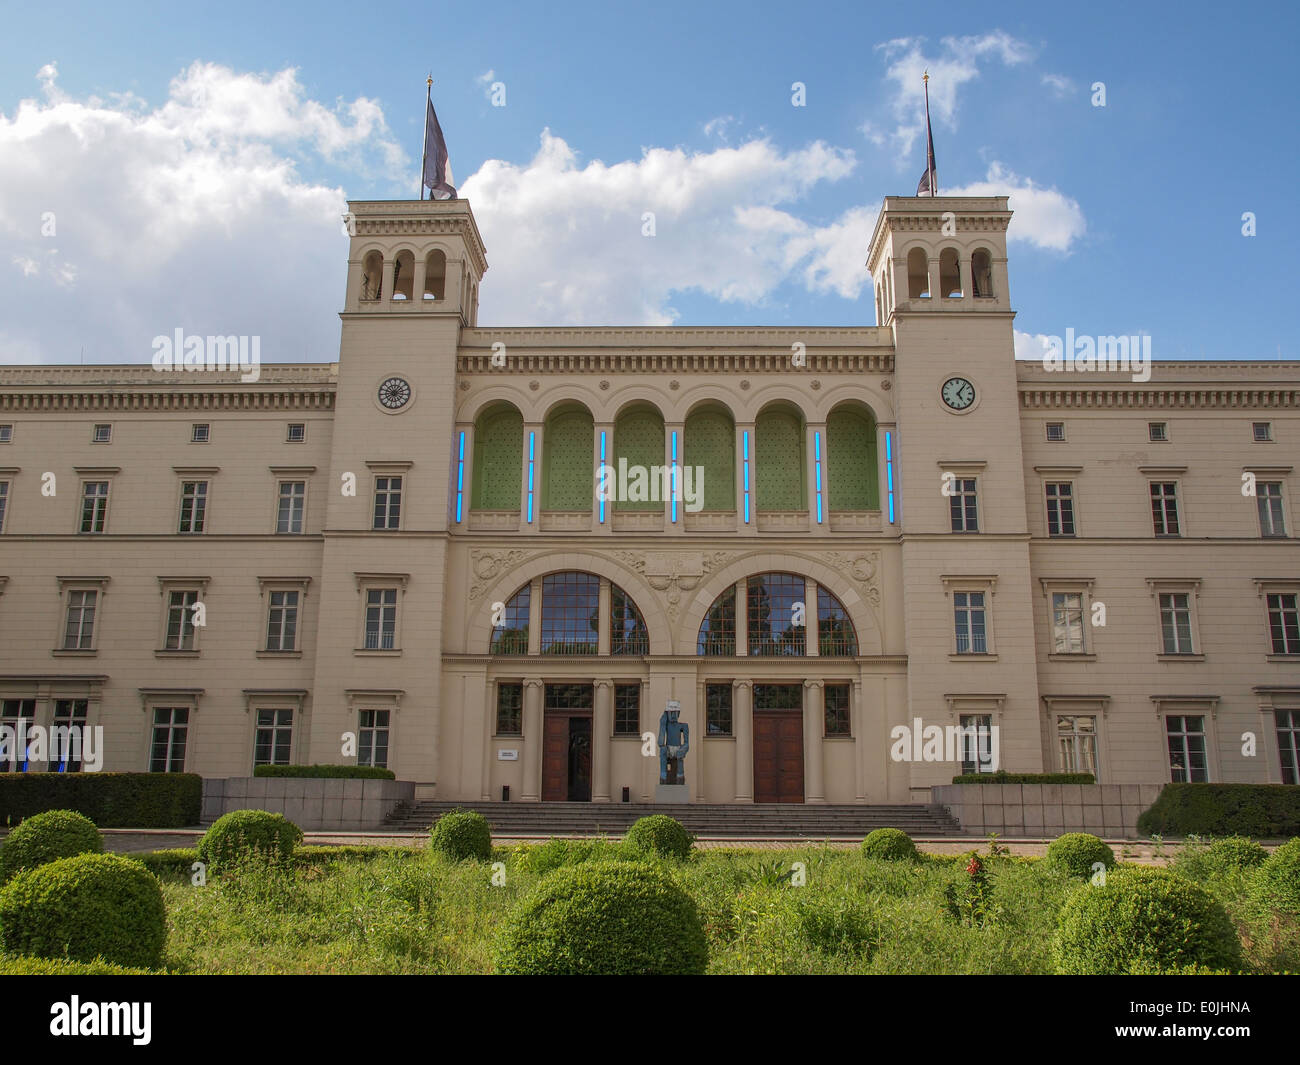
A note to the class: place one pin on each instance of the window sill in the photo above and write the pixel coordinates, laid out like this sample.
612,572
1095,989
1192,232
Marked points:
374,652
1071,656
985,656
279,654
720,736
838,738
1284,658
60,652
163,652
508,736
1181,658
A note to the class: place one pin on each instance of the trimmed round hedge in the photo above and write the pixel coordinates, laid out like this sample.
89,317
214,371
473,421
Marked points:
604,919
1276,884
1235,852
661,836
889,845
1076,853
462,835
46,838
243,834
93,906
1143,920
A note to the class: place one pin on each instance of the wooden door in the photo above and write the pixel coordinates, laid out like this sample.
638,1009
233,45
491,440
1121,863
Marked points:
778,756
555,758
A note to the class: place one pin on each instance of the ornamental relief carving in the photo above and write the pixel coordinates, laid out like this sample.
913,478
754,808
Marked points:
489,565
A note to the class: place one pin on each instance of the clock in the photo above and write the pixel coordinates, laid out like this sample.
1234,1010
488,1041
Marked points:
958,393
394,393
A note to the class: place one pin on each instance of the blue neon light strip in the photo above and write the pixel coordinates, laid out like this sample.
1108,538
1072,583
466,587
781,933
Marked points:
817,470
460,478
674,479
744,446
532,443
602,463
889,472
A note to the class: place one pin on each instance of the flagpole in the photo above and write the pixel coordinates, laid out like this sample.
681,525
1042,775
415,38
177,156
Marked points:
424,157
929,137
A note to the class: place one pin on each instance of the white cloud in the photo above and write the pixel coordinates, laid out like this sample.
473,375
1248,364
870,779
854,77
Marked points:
1031,346
1059,84
1045,218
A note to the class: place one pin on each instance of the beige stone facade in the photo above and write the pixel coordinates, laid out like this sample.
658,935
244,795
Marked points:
402,558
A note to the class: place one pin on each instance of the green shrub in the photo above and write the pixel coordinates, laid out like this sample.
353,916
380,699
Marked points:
247,833
1271,909
889,845
170,862
111,800
93,906
1143,919
21,965
316,772
462,835
1233,853
542,858
1276,885
1259,811
604,919
45,838
661,836
1075,853
836,923
1003,777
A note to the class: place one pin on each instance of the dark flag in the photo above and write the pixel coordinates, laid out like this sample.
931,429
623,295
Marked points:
437,167
929,184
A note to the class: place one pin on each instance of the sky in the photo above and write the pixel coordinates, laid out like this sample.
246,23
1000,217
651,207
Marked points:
169,166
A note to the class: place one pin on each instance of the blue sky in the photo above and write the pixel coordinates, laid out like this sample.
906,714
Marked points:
1129,216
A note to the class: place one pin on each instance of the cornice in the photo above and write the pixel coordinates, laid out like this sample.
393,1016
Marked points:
1263,396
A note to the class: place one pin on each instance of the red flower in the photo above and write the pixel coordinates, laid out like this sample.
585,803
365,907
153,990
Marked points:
976,866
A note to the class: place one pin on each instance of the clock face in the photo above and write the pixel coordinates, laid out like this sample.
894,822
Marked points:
958,393
394,393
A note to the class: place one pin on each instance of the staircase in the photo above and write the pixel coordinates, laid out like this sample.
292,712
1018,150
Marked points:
707,821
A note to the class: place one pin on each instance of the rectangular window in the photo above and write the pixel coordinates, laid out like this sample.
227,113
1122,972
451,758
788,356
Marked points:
1164,507
381,619
79,633
1076,741
289,511
282,622
194,505
1060,508
627,709
101,434
6,434
1157,431
1262,432
372,738
1268,499
16,715
570,613
388,502
968,611
1176,623
199,433
1284,623
717,714
775,601
4,503
170,726
838,718
1067,623
510,709
297,433
94,506
180,621
1187,761
1056,430
66,744
274,739
962,506
977,743
1288,744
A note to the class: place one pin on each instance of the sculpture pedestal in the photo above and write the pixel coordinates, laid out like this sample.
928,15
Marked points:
672,793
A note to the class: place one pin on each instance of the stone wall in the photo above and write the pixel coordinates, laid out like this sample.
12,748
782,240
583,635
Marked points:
1047,810
314,804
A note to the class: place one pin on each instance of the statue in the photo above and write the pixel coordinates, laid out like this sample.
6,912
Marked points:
674,742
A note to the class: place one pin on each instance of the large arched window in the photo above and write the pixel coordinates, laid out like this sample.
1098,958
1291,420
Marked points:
981,270
435,275
639,442
852,469
779,455
571,621
949,273
403,275
568,470
835,635
718,629
511,636
498,459
627,631
777,615
710,452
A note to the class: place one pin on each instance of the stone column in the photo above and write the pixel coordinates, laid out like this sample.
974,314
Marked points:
533,735
936,288
386,292
963,267
814,729
742,618
535,616
742,725
602,728
604,619
417,282
811,625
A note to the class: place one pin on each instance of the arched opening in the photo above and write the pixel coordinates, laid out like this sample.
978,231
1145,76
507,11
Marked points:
981,268
710,453
949,274
918,275
639,449
627,631
403,275
498,458
836,637
852,468
568,470
372,276
779,460
777,615
435,275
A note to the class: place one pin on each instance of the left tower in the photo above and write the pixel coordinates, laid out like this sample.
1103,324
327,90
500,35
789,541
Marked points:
414,269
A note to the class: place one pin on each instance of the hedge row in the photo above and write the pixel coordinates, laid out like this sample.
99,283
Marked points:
356,772
111,800
1260,811
1003,777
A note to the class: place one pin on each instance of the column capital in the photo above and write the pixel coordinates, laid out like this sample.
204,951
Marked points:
742,683
813,683
601,684
534,682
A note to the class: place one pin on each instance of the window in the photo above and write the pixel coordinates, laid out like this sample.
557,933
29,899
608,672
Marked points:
1056,430
627,709
194,505
968,610
282,622
94,506
1157,431
1176,623
101,434
4,503
570,613
1262,432
388,502
718,632
293,495
372,738
199,433
1164,507
511,636
180,621
510,709
1060,508
381,619
68,735
79,632
170,726
838,721
1186,739
773,598
6,434
717,709
1067,623
274,739
977,743
16,718
1288,744
835,634
1284,623
962,505
1076,741
627,631
1268,499
297,433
